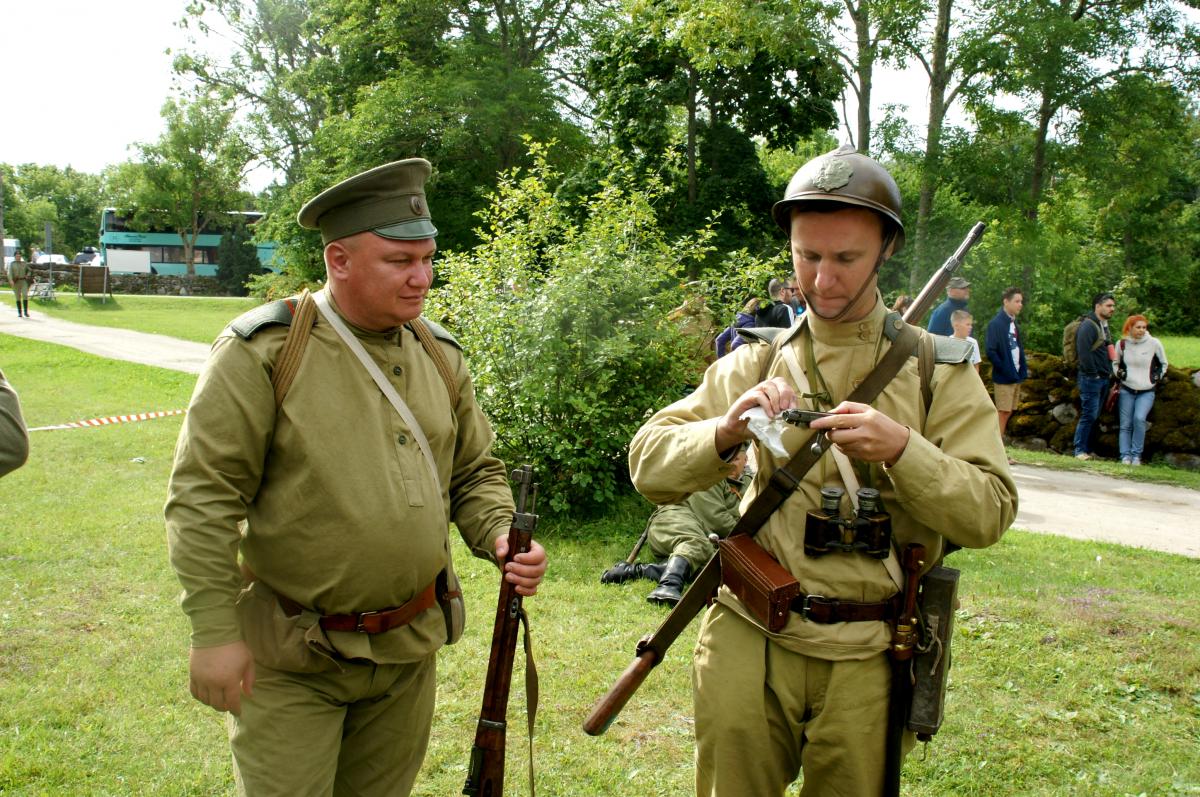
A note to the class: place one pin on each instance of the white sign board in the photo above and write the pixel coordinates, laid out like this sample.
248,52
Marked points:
128,261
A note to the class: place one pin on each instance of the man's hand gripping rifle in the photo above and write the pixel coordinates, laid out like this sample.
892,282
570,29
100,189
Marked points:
486,775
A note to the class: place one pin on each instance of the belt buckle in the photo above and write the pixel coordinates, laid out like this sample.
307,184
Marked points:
358,624
806,604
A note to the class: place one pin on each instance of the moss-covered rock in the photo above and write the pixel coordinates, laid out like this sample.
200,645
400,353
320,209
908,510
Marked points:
1174,420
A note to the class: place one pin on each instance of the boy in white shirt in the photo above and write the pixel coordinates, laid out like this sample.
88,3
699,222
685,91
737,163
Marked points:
963,322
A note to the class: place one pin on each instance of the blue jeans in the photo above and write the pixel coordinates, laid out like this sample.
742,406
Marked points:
1091,388
1134,409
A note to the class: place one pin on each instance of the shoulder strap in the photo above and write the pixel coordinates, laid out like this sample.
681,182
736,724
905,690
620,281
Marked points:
304,311
292,353
786,479
926,357
430,344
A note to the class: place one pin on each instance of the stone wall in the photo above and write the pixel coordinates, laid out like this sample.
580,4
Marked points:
1049,410
66,280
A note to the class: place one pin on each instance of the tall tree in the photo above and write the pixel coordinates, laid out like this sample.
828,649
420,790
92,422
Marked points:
955,66
269,70
875,33
701,80
190,178
1057,53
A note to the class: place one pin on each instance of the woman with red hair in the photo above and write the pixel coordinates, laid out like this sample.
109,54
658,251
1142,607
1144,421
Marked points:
1142,364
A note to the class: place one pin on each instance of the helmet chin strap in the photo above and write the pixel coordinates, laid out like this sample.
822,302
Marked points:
862,288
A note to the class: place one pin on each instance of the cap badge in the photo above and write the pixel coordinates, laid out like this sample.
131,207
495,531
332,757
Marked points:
833,174
415,203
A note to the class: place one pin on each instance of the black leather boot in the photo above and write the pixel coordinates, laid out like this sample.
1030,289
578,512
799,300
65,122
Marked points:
27,308
623,571
670,587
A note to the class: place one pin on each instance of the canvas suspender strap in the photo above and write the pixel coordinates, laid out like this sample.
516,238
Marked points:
304,313
434,350
845,468
787,478
339,326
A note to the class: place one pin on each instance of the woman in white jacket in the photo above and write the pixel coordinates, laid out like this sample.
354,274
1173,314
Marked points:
1142,363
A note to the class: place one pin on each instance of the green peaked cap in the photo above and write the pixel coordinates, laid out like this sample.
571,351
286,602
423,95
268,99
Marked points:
389,200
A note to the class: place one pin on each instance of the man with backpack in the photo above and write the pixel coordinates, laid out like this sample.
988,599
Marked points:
1094,355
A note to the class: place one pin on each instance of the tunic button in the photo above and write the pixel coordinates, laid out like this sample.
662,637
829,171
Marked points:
402,439
397,370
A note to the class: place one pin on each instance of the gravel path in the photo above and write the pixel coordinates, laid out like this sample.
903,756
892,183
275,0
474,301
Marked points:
1071,503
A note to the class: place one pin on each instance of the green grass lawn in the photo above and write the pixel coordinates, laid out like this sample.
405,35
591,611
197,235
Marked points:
192,318
1182,352
1076,669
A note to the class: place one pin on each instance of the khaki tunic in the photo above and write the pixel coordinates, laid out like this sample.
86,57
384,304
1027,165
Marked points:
19,278
342,515
951,483
14,439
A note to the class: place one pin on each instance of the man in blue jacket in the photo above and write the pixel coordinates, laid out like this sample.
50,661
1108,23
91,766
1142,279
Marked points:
1006,351
958,292
1094,345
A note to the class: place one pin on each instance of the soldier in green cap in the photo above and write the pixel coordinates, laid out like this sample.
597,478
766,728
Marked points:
307,517
812,696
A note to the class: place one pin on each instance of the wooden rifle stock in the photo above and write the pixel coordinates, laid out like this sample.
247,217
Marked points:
485,777
609,706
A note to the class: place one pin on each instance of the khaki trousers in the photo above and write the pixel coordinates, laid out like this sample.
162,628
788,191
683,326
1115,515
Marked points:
358,733
20,289
764,713
676,531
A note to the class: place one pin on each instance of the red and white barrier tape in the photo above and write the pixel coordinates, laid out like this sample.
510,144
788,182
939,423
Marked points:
141,416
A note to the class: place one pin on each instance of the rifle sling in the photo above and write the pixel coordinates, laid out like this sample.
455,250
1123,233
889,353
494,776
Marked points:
782,484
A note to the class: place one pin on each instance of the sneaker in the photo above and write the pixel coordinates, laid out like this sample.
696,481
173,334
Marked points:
1135,462
1084,456
1126,461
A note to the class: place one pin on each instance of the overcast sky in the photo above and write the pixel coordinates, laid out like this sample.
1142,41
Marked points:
84,79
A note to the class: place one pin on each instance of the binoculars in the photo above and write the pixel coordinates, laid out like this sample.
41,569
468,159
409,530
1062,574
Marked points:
869,531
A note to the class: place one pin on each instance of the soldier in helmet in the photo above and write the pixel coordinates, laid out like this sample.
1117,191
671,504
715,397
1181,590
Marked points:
813,697
336,494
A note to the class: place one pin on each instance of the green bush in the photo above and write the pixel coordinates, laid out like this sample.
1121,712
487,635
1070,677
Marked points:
563,313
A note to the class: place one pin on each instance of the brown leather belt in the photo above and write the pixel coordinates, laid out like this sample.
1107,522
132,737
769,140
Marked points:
370,622
820,609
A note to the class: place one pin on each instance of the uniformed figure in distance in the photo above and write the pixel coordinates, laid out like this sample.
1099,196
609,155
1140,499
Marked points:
814,697
322,647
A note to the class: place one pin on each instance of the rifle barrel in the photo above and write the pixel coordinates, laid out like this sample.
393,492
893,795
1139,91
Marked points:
937,283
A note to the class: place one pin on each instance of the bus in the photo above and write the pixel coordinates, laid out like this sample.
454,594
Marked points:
127,251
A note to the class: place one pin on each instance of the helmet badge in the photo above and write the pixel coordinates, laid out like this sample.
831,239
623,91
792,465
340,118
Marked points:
834,173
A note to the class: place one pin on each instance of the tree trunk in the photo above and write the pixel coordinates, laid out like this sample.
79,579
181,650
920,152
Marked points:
1036,180
939,79
864,69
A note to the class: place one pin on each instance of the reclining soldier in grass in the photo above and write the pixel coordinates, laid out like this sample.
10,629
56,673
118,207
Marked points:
680,535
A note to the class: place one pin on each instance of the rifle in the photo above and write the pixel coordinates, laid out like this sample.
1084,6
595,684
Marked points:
486,775
652,648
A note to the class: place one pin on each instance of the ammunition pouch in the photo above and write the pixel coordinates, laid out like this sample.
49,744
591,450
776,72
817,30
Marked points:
758,580
936,602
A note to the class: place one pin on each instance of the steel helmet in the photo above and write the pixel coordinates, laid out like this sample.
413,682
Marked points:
846,176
